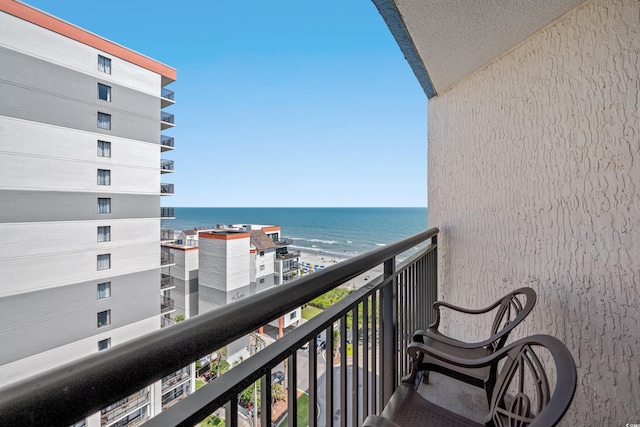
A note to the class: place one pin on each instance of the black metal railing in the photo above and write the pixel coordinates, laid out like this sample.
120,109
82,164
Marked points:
166,165
166,234
166,117
166,188
167,94
166,258
380,318
284,242
166,141
165,322
166,281
167,212
166,304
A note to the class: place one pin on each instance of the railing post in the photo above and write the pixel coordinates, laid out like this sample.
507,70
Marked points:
432,281
389,337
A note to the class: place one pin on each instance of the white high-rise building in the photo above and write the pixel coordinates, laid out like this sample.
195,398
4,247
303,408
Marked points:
80,166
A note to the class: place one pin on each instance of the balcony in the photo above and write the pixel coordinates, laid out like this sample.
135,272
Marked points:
166,282
166,305
288,255
168,213
166,259
124,406
379,318
167,235
166,322
166,166
166,143
293,267
283,242
166,97
166,189
166,120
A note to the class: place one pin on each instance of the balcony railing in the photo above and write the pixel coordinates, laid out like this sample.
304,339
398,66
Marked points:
288,255
166,188
166,282
284,242
380,316
166,322
167,212
166,234
174,379
166,305
122,407
166,117
166,142
166,258
166,165
167,94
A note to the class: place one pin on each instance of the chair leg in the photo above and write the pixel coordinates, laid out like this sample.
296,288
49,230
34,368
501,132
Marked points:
425,377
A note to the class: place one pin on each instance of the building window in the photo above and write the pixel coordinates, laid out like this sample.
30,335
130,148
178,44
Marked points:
104,290
104,177
261,253
104,64
104,149
104,121
261,267
104,234
104,92
261,281
292,315
104,318
104,262
104,344
104,205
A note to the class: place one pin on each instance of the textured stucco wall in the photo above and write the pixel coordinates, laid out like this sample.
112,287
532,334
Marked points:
534,179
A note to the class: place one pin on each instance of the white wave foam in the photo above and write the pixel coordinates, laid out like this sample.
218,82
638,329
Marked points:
381,244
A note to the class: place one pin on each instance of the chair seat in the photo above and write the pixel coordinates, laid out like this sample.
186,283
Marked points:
480,375
407,408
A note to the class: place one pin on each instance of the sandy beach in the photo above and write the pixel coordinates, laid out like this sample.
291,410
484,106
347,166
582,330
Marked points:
312,258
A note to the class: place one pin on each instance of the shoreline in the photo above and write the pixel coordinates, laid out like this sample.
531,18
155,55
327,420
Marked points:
325,258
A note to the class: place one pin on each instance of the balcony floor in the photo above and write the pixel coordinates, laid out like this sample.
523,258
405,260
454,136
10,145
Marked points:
459,397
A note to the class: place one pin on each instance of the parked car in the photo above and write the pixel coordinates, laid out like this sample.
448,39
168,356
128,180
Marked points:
320,344
277,377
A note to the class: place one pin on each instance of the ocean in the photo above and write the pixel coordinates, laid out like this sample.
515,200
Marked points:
343,231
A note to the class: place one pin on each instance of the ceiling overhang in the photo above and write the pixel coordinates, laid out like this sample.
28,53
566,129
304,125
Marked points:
444,41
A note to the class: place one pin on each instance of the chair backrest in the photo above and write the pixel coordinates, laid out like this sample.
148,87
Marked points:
512,309
522,395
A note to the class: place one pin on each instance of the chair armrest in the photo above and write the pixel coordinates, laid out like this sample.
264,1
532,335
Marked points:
438,304
435,335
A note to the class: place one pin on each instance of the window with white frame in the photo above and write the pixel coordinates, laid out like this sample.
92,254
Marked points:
104,205
104,344
261,267
261,253
104,92
104,177
104,318
104,149
104,290
104,121
104,261
292,315
104,233
261,281
104,64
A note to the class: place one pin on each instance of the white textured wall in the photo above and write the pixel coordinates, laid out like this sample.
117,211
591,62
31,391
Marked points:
534,179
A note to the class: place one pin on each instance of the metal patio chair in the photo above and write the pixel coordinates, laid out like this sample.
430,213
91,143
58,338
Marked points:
522,396
510,311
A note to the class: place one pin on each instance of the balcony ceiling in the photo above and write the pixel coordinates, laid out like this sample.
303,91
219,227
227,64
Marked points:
448,40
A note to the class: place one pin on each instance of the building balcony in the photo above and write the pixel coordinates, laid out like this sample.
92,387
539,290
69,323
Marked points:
166,189
166,120
287,255
167,213
283,243
124,407
175,379
166,282
166,97
166,305
166,322
377,345
166,143
166,259
166,166
288,269
167,235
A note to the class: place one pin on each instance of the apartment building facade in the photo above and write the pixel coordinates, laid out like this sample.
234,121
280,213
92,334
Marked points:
80,155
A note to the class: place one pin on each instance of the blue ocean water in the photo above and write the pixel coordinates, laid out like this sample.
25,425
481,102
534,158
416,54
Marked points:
347,231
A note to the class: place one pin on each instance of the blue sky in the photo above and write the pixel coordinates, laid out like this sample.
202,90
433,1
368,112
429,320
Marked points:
281,103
